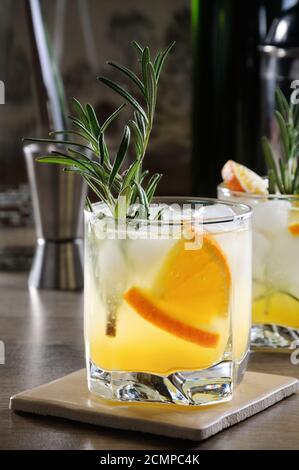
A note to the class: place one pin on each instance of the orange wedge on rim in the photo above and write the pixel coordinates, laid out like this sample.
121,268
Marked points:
238,177
191,289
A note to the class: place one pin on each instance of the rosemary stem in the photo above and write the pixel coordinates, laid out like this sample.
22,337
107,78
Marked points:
111,323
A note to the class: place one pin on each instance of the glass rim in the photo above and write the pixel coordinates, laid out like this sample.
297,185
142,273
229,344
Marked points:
243,210
284,197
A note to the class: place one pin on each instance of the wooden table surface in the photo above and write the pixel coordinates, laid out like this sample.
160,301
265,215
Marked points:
42,332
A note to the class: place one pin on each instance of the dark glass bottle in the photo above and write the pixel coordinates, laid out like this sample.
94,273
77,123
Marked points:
226,103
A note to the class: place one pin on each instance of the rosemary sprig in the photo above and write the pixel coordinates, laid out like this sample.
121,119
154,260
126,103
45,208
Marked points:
283,172
118,189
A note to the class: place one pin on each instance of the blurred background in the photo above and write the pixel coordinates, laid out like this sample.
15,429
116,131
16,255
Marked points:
216,92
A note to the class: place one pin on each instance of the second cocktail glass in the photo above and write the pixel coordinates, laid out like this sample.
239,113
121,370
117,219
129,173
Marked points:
275,312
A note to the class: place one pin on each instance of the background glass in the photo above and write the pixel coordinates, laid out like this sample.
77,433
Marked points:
275,268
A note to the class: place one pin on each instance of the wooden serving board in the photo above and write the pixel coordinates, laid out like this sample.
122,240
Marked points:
69,398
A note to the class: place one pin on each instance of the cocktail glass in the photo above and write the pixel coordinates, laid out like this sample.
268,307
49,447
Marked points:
275,268
168,302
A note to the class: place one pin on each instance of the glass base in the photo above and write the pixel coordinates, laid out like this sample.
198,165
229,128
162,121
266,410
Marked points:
240,367
273,338
202,387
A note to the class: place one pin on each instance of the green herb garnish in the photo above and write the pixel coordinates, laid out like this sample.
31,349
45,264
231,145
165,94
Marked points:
283,171
92,159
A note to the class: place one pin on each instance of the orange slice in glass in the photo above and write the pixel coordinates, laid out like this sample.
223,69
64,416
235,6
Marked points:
293,222
190,291
238,177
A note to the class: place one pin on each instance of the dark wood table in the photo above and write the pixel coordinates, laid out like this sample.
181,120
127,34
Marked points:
42,332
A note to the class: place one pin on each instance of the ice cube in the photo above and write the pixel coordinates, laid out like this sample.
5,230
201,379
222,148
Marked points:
271,217
147,255
216,211
112,279
177,212
282,264
111,262
259,290
260,251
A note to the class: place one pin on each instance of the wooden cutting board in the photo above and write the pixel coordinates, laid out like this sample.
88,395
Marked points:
69,398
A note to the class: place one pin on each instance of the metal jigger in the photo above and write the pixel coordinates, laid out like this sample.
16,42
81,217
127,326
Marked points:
58,202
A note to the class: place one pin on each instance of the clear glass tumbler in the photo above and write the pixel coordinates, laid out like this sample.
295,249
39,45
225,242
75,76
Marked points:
275,268
168,302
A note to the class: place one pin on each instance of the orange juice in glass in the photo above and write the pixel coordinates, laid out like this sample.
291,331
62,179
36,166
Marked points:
168,302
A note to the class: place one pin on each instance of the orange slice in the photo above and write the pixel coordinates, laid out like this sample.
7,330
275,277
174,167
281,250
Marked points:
190,291
238,177
294,229
157,313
